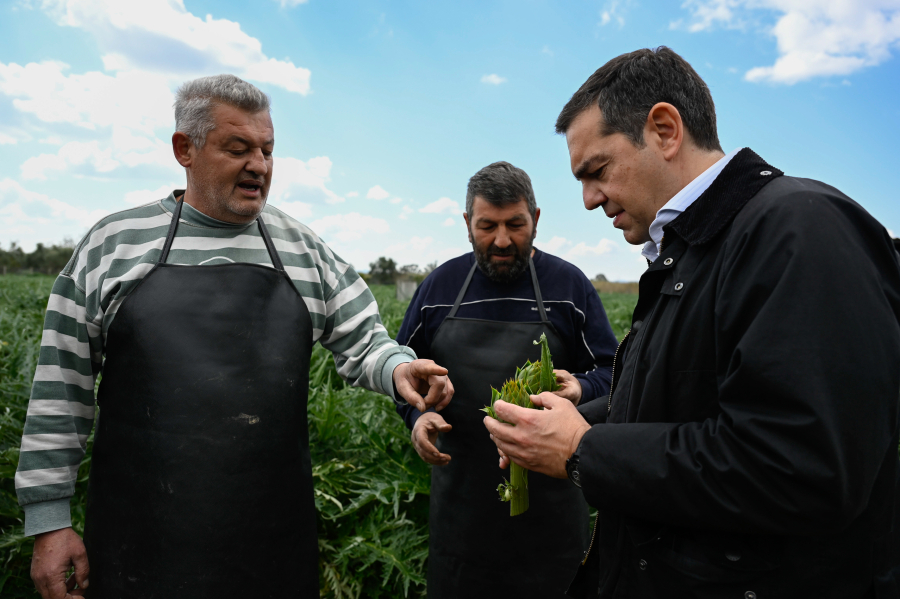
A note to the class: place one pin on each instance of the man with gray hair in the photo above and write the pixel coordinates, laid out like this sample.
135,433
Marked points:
479,315
200,310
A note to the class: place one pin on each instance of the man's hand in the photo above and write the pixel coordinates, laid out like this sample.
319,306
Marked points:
569,386
424,436
54,553
413,379
541,440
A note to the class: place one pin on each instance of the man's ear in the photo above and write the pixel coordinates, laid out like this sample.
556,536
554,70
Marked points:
468,226
537,215
664,129
183,149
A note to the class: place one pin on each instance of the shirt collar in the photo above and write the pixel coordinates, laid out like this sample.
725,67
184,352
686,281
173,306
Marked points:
191,215
680,202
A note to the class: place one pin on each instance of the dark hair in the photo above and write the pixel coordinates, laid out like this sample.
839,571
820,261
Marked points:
501,183
628,86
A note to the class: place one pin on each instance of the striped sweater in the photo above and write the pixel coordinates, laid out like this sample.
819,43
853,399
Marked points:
108,264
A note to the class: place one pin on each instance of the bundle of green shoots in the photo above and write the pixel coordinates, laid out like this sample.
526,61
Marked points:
531,379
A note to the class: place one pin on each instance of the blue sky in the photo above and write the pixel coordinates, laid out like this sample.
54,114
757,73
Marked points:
383,110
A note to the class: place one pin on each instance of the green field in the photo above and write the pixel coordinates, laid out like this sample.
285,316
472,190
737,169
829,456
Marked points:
371,487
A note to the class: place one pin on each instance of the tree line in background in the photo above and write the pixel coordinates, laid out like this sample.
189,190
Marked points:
384,271
44,259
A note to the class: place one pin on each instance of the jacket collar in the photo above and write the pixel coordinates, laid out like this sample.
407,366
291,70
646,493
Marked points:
739,181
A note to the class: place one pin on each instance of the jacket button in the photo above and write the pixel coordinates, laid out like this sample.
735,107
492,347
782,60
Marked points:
668,261
679,286
749,595
643,566
765,174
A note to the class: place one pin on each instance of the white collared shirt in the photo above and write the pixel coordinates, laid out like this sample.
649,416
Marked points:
680,202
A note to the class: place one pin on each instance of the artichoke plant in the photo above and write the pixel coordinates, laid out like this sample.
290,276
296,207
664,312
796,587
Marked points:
531,379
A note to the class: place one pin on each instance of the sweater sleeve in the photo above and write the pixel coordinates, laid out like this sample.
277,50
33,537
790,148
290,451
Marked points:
60,412
364,353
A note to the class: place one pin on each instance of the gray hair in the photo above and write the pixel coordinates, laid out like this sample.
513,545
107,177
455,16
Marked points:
195,100
501,183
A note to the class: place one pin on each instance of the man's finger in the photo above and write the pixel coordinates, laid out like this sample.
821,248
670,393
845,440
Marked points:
82,568
412,397
544,400
510,413
446,397
435,390
422,369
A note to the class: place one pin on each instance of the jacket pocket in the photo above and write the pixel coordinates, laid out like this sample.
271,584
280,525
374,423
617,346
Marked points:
704,558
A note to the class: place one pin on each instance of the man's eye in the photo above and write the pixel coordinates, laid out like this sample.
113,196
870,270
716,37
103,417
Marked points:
598,173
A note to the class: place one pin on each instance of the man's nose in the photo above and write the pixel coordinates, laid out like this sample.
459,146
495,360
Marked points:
593,197
502,239
257,163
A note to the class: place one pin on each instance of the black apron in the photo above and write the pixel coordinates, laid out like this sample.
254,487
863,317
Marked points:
476,549
201,483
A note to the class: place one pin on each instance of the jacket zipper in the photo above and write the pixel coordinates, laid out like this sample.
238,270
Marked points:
612,382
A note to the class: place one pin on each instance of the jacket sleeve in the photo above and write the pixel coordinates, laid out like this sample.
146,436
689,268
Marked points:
599,340
808,346
60,412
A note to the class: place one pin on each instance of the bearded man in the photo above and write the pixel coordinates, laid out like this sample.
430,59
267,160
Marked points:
201,310
478,315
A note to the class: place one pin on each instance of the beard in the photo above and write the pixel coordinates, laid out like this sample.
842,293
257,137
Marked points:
503,272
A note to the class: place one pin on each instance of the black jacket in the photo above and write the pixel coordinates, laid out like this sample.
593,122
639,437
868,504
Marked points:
751,446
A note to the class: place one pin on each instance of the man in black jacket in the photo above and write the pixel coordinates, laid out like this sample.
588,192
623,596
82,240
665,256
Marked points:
749,445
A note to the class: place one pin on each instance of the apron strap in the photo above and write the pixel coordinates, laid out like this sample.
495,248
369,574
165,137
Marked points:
537,291
276,259
462,292
534,282
264,233
173,226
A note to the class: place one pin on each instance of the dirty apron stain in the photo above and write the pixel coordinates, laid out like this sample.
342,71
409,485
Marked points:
475,548
201,484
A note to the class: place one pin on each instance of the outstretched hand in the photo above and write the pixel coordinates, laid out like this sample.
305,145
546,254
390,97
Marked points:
54,553
539,440
423,384
425,434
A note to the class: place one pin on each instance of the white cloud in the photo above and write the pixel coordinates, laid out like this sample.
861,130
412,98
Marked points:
123,151
815,38
396,200
295,180
614,10
412,246
604,246
353,194
162,36
348,227
555,244
291,3
404,214
29,217
377,193
493,79
7,139
299,210
145,196
440,206
449,222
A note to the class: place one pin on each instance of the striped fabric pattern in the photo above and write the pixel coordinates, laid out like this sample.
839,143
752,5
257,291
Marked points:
109,263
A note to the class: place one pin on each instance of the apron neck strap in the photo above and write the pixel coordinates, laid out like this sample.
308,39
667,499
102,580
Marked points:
534,282
537,291
264,233
276,259
173,226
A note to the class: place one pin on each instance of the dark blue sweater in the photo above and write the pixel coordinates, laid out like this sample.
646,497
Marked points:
572,305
